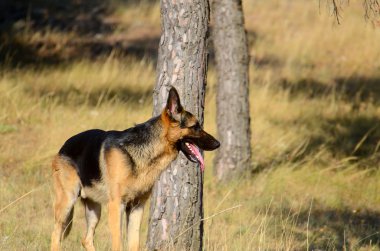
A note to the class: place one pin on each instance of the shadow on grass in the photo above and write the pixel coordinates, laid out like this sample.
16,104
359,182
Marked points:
85,17
351,135
340,229
88,20
356,135
353,89
76,97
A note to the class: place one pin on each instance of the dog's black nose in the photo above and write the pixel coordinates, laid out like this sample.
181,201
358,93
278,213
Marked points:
211,145
216,144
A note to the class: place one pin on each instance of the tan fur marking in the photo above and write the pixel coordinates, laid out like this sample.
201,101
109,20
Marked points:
116,173
134,217
93,212
191,120
115,177
97,192
114,221
124,184
134,223
172,130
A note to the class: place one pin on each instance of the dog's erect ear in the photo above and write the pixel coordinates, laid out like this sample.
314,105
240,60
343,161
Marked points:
173,105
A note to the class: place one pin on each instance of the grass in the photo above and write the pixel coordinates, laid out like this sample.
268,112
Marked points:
315,124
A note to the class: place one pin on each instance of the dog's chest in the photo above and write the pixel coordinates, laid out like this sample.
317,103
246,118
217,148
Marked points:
137,185
119,179
127,189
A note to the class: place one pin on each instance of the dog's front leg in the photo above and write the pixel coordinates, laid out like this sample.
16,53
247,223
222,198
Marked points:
115,208
134,223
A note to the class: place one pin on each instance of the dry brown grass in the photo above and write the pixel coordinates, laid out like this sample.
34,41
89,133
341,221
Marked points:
315,122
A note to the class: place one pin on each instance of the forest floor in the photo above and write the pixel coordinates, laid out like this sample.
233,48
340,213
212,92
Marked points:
315,108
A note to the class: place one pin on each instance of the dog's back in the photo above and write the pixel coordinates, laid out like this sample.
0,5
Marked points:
83,150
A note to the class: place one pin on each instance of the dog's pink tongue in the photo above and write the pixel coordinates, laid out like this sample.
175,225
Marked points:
199,156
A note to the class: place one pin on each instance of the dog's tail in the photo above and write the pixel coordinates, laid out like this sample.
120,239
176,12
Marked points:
68,223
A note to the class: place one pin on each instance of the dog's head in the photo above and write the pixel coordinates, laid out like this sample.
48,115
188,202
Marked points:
185,131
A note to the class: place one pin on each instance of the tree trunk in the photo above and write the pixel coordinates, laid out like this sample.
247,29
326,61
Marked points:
232,60
176,205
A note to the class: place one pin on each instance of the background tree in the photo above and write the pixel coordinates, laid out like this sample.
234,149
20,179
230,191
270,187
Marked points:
176,204
232,62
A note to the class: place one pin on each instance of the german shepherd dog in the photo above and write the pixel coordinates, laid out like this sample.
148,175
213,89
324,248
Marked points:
119,168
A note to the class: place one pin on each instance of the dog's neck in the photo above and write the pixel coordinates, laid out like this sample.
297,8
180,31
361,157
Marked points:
150,144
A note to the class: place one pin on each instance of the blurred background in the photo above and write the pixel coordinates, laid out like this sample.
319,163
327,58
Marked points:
68,66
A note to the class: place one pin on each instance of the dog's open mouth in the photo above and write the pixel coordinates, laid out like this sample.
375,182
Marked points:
193,153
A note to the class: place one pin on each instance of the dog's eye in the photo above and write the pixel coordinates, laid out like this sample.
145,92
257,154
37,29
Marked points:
196,127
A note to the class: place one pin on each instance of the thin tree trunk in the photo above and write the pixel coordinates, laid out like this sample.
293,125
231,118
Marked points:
232,60
176,204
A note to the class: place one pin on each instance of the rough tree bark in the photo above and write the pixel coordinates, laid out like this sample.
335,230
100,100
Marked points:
176,204
232,60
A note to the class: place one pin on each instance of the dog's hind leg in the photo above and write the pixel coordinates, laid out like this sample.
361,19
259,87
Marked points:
93,213
66,188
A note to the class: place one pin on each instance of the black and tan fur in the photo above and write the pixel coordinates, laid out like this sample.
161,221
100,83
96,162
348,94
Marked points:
119,168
